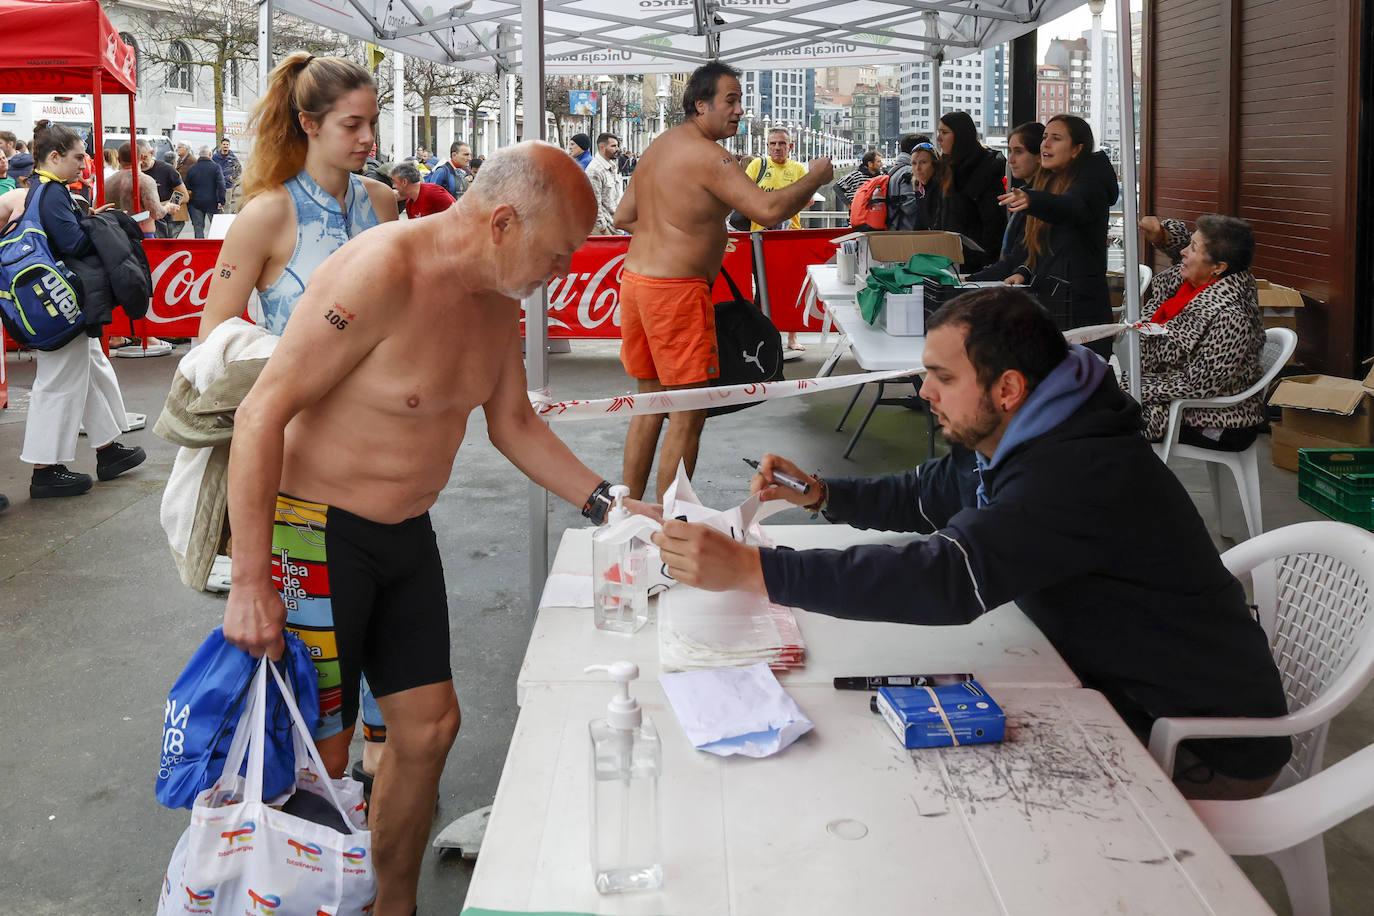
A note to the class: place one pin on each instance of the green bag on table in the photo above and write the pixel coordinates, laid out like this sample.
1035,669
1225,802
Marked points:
900,279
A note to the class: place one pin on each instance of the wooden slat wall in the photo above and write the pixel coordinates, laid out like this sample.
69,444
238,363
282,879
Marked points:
1190,101
1254,109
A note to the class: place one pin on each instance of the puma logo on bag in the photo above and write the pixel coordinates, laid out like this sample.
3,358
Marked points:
755,358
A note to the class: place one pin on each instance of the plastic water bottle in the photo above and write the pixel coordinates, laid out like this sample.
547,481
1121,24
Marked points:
619,572
626,759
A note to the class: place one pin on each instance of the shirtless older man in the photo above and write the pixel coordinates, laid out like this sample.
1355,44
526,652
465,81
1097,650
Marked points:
675,207
358,416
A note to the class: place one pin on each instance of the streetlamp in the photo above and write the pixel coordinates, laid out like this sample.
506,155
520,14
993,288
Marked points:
1097,111
749,133
662,96
603,84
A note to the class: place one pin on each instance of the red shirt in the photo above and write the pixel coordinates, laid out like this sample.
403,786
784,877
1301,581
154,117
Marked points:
432,199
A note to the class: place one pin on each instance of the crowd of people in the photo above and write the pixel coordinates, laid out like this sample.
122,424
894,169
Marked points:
378,357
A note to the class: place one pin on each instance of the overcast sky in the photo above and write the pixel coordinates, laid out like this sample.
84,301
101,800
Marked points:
1074,24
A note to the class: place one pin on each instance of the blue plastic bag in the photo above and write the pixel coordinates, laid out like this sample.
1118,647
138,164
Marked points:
204,706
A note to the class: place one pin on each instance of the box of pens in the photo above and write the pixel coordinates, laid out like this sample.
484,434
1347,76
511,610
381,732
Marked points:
945,716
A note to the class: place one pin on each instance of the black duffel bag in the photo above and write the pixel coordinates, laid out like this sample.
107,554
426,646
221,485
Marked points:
749,347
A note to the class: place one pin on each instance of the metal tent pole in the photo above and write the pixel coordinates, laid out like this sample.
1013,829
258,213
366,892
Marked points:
1131,217
264,45
537,304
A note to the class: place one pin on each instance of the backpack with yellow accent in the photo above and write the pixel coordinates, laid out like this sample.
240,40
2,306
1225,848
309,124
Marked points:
40,299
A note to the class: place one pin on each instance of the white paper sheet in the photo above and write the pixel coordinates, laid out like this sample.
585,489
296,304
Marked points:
730,711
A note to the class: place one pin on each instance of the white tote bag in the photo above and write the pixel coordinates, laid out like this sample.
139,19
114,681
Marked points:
240,855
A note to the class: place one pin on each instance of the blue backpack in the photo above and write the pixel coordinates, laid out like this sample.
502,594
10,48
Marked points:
40,299
448,180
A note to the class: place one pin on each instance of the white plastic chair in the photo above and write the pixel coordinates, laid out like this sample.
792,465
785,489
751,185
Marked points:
1279,344
1282,822
1312,586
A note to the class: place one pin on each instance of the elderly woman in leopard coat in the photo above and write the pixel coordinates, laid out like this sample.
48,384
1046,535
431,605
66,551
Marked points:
1209,308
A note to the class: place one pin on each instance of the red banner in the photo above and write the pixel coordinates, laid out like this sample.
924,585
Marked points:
786,255
585,303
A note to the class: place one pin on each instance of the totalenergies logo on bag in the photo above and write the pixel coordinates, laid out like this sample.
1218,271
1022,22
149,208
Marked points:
263,903
240,839
353,861
198,902
305,855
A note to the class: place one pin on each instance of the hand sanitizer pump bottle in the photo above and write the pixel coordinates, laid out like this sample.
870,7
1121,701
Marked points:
619,572
626,759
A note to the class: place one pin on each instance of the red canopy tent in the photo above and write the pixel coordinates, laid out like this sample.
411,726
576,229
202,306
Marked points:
67,46
70,47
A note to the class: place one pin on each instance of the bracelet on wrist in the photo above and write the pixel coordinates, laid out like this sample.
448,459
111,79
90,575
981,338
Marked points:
598,503
822,500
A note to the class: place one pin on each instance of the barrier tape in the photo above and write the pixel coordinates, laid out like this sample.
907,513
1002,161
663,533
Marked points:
632,405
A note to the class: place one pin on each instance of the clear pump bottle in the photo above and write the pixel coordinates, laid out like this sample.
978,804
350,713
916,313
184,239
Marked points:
626,759
619,572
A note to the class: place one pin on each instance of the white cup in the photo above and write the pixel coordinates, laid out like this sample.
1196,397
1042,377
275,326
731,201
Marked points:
845,264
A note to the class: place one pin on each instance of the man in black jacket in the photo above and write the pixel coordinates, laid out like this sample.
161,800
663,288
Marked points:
1050,497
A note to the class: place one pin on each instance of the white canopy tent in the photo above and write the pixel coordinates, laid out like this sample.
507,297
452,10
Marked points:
657,36
668,36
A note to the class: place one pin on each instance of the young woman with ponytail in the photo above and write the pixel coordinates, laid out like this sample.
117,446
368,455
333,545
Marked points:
312,129
1066,207
315,126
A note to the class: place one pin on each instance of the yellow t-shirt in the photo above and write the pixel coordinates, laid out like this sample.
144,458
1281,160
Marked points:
777,176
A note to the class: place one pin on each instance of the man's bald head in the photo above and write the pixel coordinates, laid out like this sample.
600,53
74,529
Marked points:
536,179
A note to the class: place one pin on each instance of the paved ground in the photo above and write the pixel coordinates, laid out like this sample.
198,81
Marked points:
95,626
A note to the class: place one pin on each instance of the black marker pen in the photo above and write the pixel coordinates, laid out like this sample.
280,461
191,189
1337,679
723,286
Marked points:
787,480
900,680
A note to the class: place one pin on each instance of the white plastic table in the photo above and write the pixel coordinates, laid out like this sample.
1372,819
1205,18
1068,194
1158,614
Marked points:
1070,815
1001,648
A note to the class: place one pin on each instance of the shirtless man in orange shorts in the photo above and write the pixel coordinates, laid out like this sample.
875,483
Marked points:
675,209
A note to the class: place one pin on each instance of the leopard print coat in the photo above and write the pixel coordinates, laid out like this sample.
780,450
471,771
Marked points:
1211,348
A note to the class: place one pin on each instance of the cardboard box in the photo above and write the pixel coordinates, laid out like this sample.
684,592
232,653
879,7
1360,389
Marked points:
1327,406
904,314
1279,307
1286,443
888,249
973,716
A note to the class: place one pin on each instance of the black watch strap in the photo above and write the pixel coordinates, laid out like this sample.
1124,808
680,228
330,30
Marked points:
598,504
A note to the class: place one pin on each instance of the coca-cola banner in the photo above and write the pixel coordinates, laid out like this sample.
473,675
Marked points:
585,303
181,281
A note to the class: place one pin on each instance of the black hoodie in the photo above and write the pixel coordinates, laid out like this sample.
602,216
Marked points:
1075,238
970,206
1099,545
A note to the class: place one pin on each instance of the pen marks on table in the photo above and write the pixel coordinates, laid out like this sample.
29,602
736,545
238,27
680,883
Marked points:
1039,768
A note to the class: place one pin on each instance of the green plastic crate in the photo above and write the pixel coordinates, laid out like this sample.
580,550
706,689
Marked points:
1338,482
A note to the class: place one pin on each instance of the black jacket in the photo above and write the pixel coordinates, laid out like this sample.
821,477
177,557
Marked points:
205,181
1076,238
1095,540
970,206
113,272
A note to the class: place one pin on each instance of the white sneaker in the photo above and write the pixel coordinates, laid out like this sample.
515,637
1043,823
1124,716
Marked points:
218,580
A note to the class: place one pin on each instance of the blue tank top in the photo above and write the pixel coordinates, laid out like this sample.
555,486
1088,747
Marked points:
321,229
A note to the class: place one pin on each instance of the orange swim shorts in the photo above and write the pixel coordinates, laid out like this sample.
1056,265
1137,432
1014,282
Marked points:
667,329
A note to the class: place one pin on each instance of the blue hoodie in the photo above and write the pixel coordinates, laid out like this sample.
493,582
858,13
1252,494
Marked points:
1054,400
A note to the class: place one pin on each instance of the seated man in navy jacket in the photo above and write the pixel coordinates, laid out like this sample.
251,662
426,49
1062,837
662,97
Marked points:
1050,497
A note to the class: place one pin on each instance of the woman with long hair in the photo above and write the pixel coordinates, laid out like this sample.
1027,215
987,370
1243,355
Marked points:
969,188
301,201
312,130
1023,159
75,385
1066,207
